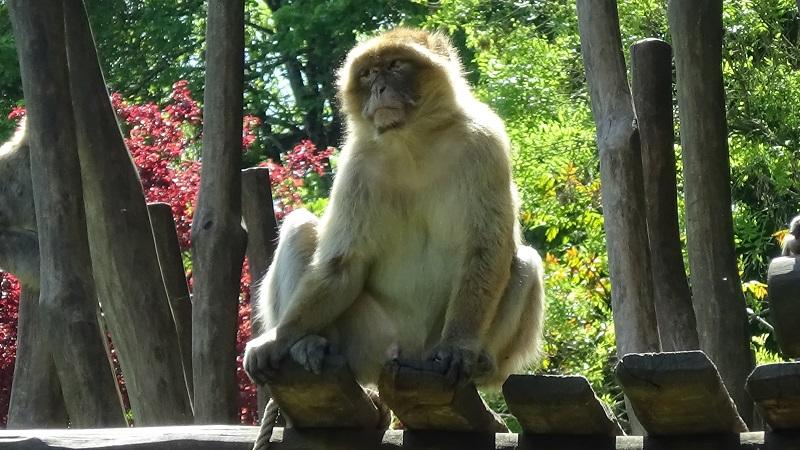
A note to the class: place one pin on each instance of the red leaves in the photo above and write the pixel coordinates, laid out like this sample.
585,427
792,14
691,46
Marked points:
288,177
9,306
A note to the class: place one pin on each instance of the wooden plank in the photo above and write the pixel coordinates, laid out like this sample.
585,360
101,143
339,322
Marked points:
218,239
621,181
783,280
258,214
36,399
68,300
423,399
678,393
776,390
719,305
124,259
552,404
332,398
170,262
651,79
242,437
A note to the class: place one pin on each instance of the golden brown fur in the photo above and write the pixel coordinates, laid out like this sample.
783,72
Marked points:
418,254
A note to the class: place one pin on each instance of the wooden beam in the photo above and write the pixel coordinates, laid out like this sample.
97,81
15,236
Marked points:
678,393
329,399
621,178
651,76
776,390
424,399
552,404
68,300
783,281
218,240
624,214
124,257
170,262
36,399
258,214
242,437
719,305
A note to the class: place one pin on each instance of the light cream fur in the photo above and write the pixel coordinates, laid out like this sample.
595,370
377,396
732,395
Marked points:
418,252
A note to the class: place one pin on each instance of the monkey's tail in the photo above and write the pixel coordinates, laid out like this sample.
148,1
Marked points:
267,425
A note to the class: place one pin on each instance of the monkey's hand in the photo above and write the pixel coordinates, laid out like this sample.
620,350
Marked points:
310,352
461,363
263,354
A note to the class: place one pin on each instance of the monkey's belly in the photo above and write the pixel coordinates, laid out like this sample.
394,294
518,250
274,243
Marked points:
379,327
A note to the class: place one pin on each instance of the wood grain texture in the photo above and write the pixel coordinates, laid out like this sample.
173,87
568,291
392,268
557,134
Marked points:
651,74
68,302
218,240
719,304
123,253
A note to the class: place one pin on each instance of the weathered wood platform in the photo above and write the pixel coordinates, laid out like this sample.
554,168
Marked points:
242,437
424,399
546,404
776,390
678,393
329,399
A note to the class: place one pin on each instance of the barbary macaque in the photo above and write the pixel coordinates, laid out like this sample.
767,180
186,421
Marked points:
19,244
418,255
791,242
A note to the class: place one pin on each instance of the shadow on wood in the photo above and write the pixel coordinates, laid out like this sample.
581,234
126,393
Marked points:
424,399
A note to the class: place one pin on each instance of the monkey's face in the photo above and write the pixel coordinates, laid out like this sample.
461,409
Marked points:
386,84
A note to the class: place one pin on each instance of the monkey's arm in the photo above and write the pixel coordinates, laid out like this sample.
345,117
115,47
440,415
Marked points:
487,263
337,273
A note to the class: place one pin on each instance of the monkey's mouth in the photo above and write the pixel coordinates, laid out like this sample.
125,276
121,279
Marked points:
387,118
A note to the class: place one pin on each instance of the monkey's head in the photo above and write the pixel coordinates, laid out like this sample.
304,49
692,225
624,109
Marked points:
400,77
794,227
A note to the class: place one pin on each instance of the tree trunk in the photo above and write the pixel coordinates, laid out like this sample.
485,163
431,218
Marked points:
68,299
718,301
624,215
651,68
262,238
123,252
36,400
171,263
218,240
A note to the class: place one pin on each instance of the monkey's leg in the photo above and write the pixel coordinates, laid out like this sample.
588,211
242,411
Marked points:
516,328
296,245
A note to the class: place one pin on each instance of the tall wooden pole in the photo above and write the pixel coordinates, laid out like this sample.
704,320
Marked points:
651,74
68,299
125,262
621,179
696,28
218,240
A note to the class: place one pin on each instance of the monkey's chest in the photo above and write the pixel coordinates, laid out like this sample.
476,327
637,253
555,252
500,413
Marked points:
413,279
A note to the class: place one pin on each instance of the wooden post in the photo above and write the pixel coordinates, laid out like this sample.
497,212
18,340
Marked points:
125,262
68,299
171,263
621,178
218,240
36,400
258,213
718,301
259,218
651,69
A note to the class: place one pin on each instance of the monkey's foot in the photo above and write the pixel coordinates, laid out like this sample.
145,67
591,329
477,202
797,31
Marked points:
460,365
310,352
